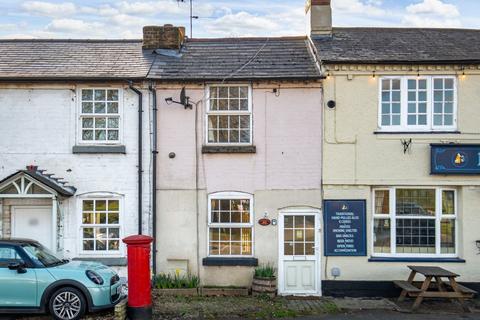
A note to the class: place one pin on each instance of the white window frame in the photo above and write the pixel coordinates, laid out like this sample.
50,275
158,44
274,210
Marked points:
404,105
393,223
81,115
231,195
81,225
229,112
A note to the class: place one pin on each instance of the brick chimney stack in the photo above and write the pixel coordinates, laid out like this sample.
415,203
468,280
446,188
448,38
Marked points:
319,17
163,37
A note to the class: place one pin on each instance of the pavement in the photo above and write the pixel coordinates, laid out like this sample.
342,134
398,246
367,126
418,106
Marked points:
388,315
384,309
303,308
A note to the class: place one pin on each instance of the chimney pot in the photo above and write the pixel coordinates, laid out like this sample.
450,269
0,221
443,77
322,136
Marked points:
319,17
32,167
163,37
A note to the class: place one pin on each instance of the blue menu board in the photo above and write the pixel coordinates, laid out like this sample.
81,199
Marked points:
455,159
345,228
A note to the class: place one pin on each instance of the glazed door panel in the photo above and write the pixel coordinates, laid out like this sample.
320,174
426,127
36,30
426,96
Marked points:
299,253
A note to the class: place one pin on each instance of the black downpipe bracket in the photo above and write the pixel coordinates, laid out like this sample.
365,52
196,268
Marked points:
154,177
140,158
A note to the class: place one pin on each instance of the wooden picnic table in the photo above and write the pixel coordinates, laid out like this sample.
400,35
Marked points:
448,290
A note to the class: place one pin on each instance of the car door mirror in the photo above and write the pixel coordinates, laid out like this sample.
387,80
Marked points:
18,265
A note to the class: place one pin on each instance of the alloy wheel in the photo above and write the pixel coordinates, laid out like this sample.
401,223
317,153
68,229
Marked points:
67,305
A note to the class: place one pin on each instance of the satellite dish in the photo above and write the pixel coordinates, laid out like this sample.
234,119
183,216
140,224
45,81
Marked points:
184,100
183,97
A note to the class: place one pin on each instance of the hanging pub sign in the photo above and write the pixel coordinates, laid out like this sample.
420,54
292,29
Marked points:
455,158
345,227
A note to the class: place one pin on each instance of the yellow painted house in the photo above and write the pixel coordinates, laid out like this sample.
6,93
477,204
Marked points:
401,133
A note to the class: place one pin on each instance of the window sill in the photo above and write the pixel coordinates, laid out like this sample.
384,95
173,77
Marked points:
416,132
106,261
245,262
118,149
229,149
395,259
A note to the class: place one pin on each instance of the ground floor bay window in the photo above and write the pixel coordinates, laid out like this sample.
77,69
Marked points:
414,222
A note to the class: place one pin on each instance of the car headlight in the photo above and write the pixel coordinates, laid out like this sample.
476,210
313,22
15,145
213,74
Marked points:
94,277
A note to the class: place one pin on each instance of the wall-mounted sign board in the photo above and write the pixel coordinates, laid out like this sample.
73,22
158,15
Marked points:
455,158
345,227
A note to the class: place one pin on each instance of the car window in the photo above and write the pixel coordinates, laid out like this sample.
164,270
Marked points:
8,255
41,255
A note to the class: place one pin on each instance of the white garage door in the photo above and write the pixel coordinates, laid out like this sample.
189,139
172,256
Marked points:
33,223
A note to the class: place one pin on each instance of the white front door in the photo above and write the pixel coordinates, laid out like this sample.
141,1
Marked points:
33,223
299,253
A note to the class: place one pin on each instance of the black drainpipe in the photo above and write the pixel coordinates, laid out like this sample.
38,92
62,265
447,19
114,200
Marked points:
154,177
140,151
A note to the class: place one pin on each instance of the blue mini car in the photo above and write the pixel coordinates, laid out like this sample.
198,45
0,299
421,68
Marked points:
34,280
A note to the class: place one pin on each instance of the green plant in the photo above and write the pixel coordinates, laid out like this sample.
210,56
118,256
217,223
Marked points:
265,271
175,281
330,307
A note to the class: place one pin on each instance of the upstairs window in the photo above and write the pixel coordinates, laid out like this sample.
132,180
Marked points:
100,116
229,114
426,103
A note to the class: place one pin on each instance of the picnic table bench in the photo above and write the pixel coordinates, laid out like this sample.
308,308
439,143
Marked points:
436,289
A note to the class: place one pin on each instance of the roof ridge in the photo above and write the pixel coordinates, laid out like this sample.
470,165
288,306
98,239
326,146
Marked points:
404,28
246,38
74,40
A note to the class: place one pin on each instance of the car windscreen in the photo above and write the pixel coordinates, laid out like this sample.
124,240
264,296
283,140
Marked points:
41,255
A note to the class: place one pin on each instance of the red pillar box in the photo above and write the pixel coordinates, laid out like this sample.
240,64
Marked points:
139,282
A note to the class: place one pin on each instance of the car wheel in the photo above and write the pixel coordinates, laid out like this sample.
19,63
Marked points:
67,304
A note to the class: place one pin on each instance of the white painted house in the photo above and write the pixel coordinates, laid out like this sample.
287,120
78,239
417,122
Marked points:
69,110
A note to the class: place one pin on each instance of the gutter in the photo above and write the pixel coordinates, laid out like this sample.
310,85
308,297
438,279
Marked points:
412,62
68,79
233,79
152,89
140,154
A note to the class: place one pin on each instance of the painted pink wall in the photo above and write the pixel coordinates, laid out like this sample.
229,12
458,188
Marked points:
287,135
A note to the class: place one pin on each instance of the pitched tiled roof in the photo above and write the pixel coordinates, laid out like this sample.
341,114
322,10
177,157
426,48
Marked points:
73,59
399,45
237,59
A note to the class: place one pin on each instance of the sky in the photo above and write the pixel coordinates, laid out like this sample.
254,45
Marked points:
219,18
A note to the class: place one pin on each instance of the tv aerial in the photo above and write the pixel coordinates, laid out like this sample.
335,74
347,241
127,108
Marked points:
191,15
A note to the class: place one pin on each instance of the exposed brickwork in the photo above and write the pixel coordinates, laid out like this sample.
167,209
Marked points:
6,211
6,221
163,37
1,218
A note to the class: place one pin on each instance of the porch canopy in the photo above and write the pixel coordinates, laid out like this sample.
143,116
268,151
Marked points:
33,183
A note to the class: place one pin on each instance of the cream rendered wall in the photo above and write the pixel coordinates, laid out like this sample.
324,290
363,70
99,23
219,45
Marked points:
284,171
356,160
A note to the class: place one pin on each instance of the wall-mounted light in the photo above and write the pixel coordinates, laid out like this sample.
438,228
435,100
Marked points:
328,75
374,75
463,73
335,272
478,245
